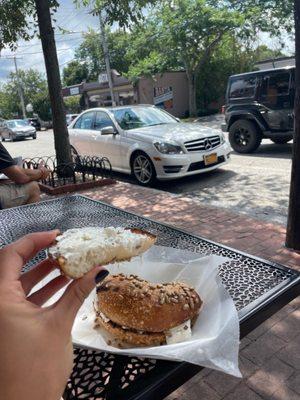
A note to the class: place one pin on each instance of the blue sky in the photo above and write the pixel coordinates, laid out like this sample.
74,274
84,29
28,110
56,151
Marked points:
76,20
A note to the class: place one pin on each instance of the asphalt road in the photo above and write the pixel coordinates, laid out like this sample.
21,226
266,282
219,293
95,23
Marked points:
256,184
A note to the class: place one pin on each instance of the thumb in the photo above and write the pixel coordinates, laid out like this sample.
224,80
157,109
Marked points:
68,305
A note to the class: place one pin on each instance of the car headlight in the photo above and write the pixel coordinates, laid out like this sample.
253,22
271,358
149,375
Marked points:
168,148
222,138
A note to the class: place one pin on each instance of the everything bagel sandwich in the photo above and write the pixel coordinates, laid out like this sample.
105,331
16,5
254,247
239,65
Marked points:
136,313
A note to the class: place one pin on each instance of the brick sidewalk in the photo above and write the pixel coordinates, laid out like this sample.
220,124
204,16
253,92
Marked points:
270,355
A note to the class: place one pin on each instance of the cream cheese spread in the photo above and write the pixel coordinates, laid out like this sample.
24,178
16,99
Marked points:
85,247
180,333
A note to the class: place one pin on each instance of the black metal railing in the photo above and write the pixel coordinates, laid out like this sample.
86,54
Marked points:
82,169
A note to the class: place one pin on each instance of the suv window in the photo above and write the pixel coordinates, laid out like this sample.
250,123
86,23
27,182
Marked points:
86,121
276,84
242,87
102,120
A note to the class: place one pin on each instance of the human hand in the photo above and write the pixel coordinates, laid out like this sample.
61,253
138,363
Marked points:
36,352
45,172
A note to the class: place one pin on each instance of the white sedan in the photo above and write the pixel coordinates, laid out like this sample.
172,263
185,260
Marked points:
148,143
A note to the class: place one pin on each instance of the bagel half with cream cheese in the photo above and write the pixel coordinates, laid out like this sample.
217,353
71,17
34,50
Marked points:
137,313
78,250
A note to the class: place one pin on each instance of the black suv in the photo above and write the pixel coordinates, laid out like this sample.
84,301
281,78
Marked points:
260,105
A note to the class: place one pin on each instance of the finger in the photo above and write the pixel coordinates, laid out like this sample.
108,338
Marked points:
15,255
45,293
75,294
31,278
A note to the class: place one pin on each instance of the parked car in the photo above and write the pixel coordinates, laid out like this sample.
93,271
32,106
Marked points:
35,122
70,118
260,105
148,143
47,124
15,129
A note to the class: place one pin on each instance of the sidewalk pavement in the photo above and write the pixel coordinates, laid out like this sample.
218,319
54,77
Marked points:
270,355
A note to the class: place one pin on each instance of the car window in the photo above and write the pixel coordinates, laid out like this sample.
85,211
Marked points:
102,120
85,121
276,84
242,87
11,124
137,117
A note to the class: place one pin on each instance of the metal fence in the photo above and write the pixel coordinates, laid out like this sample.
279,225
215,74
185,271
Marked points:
82,169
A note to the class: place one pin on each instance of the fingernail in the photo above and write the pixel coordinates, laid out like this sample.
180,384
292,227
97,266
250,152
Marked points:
101,275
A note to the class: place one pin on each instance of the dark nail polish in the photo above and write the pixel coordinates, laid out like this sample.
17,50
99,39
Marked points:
101,275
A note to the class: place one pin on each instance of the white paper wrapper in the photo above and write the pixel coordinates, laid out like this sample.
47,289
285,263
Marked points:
215,335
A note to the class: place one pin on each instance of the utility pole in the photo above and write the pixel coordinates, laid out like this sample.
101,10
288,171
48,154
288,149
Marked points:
20,91
106,57
20,88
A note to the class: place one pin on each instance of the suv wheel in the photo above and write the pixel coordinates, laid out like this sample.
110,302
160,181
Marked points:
143,169
281,139
244,136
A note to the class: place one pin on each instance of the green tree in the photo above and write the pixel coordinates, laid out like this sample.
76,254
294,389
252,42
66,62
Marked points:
35,92
14,22
75,72
124,12
90,54
229,58
185,35
273,16
72,104
263,52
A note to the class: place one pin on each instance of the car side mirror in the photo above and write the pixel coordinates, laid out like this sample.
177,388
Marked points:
108,130
177,119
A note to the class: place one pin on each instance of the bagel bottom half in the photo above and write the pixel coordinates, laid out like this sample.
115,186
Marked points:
129,337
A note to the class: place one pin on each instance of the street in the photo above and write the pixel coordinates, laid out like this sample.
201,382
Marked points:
254,184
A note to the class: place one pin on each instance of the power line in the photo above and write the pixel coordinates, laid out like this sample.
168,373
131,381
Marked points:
41,52
57,41
68,19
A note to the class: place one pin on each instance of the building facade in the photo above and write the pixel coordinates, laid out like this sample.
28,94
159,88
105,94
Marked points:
168,91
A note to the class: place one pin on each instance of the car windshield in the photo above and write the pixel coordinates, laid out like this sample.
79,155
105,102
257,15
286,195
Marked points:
16,123
138,117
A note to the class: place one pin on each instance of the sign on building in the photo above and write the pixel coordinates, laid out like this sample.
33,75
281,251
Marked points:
74,91
102,78
163,97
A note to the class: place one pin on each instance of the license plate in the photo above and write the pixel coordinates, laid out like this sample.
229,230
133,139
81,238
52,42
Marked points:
211,159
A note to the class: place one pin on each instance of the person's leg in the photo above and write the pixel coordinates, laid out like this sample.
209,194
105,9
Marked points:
34,192
12,195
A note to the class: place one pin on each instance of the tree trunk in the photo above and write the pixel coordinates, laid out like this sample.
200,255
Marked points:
192,94
61,135
293,226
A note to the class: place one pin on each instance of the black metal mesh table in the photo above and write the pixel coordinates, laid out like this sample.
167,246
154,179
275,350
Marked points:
258,287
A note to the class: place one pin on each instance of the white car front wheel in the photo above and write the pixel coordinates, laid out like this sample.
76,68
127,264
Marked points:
143,169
